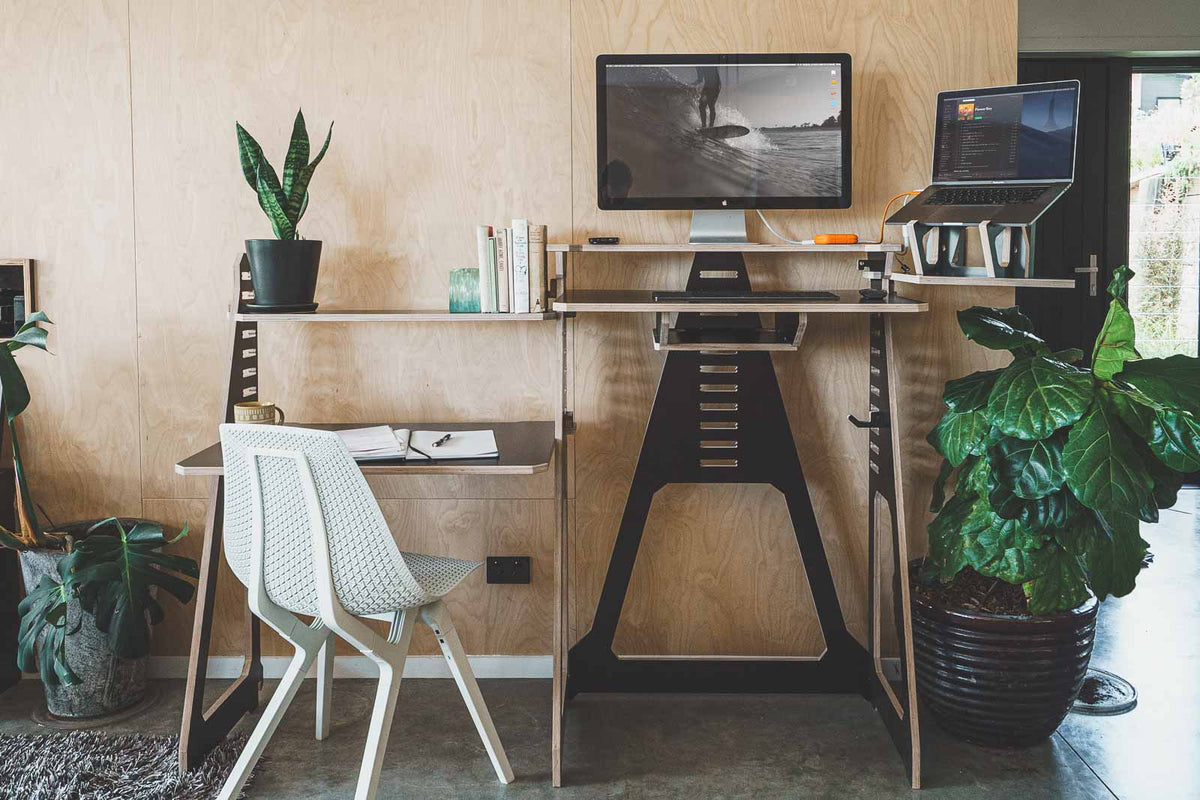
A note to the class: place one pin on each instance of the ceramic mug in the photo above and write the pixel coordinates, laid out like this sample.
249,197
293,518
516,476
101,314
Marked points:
256,413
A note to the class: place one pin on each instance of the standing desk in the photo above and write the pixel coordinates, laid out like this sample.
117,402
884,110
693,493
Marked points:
718,417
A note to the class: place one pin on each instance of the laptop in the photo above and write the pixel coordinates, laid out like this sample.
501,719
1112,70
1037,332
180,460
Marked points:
1001,155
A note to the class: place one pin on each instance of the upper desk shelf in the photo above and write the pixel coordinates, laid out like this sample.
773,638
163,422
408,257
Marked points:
726,247
638,301
351,315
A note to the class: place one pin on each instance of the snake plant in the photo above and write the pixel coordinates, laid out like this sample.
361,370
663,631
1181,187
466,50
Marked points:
284,202
1055,464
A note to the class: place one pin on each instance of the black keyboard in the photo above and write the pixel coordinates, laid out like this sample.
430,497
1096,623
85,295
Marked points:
738,296
985,195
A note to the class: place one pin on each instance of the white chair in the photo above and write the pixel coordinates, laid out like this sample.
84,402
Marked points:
305,534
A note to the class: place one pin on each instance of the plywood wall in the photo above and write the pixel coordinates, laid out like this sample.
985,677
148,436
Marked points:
120,176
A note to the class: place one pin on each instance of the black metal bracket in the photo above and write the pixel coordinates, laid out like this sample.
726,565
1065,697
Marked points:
877,420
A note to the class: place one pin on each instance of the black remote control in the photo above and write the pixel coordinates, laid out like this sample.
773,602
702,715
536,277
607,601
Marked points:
873,294
603,239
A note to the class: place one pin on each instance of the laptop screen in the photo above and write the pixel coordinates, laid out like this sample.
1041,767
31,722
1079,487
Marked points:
1010,133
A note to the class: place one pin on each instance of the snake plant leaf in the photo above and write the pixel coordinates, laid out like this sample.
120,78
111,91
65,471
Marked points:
1175,439
250,155
1172,383
272,205
1031,469
1035,396
1061,585
1103,468
954,530
999,328
1114,555
1115,344
296,197
115,574
970,393
296,158
960,435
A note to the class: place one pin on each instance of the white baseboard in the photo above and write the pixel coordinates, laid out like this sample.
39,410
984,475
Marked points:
226,667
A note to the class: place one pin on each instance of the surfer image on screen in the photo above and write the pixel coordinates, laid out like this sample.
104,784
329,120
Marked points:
723,130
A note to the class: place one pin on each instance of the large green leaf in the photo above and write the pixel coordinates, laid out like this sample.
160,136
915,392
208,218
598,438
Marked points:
254,162
15,393
1114,555
1139,418
115,573
960,435
44,628
1061,585
297,198
1120,282
1171,383
272,204
1103,468
1115,344
295,161
954,530
938,498
1175,439
1031,469
970,393
999,328
1036,396
1045,513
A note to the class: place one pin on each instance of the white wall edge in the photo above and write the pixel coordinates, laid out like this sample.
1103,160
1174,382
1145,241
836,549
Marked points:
227,667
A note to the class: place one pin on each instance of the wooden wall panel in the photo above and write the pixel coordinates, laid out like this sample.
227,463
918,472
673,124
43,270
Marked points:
66,200
903,55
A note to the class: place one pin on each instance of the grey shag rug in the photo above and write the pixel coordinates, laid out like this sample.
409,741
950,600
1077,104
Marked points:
90,765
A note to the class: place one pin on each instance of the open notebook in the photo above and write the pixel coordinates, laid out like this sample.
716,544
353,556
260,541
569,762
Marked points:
382,442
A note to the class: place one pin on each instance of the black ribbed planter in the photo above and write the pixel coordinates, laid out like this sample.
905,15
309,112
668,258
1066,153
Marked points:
1000,680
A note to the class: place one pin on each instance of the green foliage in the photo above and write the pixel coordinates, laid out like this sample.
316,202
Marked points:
15,393
112,575
284,202
1053,464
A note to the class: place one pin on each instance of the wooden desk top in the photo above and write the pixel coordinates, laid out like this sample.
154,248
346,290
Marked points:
727,247
525,449
630,301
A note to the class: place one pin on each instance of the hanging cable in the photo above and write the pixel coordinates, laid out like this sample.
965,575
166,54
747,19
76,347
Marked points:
882,222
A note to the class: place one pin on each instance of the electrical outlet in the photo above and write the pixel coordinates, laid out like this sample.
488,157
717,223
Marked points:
508,569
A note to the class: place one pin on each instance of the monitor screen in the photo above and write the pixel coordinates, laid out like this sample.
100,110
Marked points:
1010,133
723,131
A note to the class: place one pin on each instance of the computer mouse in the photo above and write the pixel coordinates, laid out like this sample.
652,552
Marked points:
873,294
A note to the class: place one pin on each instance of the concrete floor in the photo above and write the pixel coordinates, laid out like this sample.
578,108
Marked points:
760,747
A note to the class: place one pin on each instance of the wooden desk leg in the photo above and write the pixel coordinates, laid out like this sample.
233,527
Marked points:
202,730
560,625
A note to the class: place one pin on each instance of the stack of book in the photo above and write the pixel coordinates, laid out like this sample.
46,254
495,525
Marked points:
513,277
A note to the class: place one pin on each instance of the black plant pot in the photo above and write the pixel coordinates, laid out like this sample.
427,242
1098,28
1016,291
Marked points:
1000,680
284,273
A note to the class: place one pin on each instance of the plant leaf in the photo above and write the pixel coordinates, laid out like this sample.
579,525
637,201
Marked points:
297,198
954,530
273,207
1061,585
295,160
970,393
1114,554
1138,417
1120,282
960,435
939,486
250,155
1115,344
1103,468
1071,355
999,328
1036,396
1172,383
1031,469
1175,439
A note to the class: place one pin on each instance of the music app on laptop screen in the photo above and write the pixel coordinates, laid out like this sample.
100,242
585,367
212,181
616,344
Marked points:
1026,135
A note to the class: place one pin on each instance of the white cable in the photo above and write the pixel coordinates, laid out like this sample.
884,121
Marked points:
779,235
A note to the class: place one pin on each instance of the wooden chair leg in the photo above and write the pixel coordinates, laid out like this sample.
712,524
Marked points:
391,660
438,618
325,686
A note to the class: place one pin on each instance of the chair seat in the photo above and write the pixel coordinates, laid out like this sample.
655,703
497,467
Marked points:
438,574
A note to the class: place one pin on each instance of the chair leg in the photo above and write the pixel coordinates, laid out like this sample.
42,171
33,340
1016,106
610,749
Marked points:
288,686
325,686
390,659
437,617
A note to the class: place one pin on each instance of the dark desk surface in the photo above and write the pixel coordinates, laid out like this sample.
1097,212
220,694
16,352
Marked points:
525,448
637,301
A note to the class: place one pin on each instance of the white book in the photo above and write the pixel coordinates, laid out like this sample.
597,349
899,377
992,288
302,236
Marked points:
537,267
375,443
520,275
459,444
487,290
503,274
511,298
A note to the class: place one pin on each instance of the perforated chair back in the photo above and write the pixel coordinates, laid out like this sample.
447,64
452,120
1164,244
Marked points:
370,573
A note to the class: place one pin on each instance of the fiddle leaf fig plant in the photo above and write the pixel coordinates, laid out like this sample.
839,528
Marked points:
1054,464
284,202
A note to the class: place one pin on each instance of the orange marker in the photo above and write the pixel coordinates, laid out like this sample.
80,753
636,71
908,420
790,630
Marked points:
835,238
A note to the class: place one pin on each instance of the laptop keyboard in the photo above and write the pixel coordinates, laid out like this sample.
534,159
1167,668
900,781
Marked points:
985,195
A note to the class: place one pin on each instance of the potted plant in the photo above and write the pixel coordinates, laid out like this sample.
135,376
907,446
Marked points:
90,586
1054,465
284,269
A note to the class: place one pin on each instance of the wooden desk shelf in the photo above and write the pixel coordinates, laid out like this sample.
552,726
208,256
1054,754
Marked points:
633,301
982,280
383,315
726,247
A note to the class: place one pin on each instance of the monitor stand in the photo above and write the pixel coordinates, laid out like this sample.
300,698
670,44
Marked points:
716,226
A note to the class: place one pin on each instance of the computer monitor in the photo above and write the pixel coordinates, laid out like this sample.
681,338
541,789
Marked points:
728,131
1007,134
